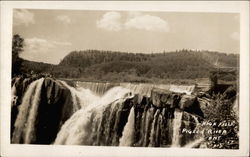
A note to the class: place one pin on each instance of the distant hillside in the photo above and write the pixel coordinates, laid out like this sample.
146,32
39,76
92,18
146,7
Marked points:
37,67
121,66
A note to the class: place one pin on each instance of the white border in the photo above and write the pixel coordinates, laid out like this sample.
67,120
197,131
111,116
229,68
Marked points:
8,149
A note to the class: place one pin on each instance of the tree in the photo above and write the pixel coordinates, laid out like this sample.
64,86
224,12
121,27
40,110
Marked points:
17,48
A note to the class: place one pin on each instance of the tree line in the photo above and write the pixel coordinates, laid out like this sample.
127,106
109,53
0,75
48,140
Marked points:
123,66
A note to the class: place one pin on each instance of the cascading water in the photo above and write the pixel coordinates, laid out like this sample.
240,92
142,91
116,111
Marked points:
182,89
98,88
113,116
81,97
154,130
29,134
148,122
88,122
176,128
138,88
127,138
24,125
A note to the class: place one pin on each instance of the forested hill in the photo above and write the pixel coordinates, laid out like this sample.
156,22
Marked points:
91,57
121,66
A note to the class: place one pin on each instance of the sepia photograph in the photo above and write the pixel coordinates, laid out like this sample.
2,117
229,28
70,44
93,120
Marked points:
125,78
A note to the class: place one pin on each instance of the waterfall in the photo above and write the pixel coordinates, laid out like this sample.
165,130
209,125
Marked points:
176,128
143,89
24,125
75,129
194,143
73,92
138,88
52,112
149,119
154,130
127,138
182,89
87,123
29,134
81,97
97,88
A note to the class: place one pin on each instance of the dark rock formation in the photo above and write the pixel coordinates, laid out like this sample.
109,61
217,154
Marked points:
189,103
165,98
170,100
54,108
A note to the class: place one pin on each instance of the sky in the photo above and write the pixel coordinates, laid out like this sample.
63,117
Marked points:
50,35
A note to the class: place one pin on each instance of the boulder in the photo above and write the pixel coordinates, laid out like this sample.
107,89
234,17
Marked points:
189,103
165,98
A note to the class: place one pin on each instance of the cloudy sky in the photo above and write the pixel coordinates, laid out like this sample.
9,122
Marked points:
51,34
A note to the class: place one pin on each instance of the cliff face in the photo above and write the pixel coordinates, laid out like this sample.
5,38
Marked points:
46,111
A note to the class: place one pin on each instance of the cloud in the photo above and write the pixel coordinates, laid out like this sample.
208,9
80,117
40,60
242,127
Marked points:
43,50
64,19
148,23
23,17
111,21
39,45
235,36
34,45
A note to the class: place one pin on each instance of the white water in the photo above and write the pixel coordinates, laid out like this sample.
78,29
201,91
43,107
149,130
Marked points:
182,89
81,97
148,123
79,127
153,131
176,128
194,143
98,88
127,138
29,134
138,88
22,125
13,93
